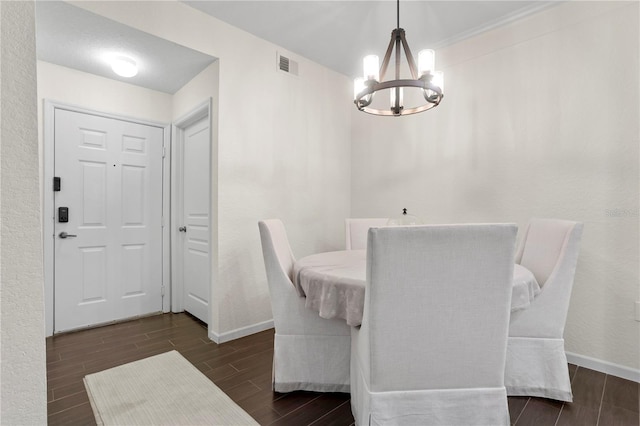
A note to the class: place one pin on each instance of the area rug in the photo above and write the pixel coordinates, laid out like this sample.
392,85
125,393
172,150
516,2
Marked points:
165,389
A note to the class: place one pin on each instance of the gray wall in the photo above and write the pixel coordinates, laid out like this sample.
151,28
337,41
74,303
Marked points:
23,393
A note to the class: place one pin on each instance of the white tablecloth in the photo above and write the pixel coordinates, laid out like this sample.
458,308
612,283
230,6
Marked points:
334,284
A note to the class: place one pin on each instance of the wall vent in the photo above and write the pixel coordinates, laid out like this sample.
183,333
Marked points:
287,65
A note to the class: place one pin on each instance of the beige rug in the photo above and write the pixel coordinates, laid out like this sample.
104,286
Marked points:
160,390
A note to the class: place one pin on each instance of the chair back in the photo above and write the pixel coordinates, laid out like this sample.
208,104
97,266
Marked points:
278,262
549,249
275,246
544,246
437,305
356,231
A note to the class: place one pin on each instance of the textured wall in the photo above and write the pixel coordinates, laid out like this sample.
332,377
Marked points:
539,119
23,394
75,87
283,150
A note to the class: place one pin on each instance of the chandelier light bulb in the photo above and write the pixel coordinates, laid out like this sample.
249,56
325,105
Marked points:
426,61
124,66
371,66
396,94
438,80
358,86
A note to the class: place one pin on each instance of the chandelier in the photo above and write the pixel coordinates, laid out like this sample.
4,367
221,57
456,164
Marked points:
423,78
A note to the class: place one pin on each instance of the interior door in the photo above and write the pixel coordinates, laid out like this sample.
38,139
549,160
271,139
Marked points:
196,218
108,224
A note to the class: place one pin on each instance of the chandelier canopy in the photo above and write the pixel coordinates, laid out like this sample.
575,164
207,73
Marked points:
423,78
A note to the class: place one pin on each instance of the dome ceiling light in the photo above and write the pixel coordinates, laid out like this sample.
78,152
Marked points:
124,66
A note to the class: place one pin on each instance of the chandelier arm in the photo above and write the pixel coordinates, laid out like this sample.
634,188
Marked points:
407,53
395,104
387,56
398,57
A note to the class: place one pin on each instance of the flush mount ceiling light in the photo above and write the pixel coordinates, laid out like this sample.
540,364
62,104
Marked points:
424,79
124,66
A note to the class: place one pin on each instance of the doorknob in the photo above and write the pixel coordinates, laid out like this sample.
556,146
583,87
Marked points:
65,235
182,229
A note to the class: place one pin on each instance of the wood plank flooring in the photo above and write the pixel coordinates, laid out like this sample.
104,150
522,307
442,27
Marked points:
242,369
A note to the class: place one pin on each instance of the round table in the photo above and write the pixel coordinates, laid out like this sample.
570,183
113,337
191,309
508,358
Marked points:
334,284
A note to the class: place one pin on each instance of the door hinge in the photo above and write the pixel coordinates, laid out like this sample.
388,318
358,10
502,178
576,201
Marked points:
162,222
162,291
164,151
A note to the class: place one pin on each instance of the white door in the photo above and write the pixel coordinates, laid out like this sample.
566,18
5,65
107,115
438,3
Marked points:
195,218
109,267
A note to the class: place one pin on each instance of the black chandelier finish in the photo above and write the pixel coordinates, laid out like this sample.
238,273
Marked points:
423,77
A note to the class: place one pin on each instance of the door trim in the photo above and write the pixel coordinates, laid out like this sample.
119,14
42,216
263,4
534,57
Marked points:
201,111
48,213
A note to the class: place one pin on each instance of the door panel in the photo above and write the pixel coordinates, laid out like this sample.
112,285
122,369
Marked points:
196,202
111,181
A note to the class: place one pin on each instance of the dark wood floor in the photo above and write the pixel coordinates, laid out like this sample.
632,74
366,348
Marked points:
242,369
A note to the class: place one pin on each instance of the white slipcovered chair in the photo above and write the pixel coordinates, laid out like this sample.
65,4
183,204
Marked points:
310,353
356,231
536,361
432,345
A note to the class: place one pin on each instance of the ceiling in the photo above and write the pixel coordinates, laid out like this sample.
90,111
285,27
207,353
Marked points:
338,34
75,38
334,33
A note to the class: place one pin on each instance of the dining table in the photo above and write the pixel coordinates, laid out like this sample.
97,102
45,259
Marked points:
334,284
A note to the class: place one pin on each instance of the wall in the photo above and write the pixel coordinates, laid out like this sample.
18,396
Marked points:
283,151
195,92
539,119
23,394
69,86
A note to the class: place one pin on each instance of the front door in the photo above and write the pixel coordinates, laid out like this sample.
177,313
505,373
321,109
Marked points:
108,219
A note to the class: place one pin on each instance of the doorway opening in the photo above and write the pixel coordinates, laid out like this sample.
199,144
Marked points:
191,219
106,245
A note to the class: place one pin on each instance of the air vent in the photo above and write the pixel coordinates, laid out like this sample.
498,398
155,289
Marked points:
284,64
287,65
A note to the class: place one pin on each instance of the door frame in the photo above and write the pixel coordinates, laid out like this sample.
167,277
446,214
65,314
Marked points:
48,212
203,110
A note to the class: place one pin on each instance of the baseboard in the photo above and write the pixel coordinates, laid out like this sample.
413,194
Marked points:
577,359
604,367
240,332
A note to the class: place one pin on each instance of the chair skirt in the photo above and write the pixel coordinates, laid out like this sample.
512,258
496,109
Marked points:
477,406
537,367
311,363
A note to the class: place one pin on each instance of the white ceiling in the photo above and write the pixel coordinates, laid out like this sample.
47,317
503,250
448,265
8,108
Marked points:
338,34
75,38
334,33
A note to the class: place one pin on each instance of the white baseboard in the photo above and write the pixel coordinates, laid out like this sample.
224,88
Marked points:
573,358
240,332
604,367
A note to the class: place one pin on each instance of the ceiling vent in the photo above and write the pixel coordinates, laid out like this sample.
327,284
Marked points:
287,65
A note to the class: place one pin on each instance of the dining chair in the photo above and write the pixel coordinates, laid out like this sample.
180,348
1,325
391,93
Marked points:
310,353
431,348
536,360
356,231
